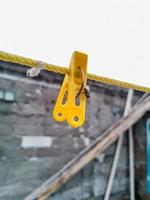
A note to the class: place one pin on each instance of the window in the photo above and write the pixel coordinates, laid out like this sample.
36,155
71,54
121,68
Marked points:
7,95
1,94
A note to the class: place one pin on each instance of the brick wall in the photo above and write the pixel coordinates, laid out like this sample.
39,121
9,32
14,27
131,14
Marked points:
23,167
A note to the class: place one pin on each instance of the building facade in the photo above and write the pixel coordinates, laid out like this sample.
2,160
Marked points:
33,146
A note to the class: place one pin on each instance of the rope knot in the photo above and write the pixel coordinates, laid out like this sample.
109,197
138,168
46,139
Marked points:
33,72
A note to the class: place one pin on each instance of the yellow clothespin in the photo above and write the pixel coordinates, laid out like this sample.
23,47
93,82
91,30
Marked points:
71,101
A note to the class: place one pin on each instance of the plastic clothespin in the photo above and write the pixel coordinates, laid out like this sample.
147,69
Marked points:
71,101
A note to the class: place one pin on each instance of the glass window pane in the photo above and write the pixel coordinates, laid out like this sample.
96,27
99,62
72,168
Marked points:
1,94
9,96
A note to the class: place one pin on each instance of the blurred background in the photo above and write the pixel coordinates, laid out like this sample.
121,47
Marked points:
33,146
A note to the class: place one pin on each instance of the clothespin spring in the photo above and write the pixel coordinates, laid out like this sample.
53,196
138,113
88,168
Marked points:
83,86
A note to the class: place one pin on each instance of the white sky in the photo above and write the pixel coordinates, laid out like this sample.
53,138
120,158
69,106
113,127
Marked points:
114,33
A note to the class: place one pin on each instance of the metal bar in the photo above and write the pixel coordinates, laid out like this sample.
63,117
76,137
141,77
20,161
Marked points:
118,150
131,164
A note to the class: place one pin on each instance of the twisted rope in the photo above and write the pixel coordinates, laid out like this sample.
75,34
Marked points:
7,57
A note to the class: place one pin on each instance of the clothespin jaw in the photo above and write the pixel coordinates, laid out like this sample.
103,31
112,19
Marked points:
71,101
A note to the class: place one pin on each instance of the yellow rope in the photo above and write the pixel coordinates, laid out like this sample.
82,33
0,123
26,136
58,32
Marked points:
63,70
